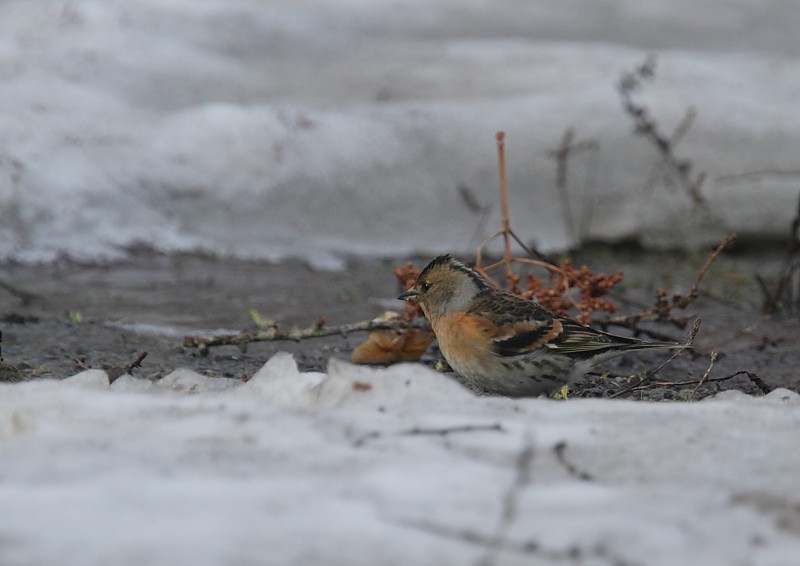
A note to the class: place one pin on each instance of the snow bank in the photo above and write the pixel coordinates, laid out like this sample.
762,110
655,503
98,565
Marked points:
318,129
394,466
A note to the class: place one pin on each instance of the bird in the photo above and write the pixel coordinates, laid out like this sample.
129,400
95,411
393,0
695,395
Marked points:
503,344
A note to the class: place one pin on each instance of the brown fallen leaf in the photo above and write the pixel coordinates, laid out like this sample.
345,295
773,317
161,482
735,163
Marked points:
392,346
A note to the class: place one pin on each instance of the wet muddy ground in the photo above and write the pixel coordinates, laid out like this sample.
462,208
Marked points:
60,318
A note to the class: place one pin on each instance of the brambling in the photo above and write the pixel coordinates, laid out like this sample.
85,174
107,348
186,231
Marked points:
502,343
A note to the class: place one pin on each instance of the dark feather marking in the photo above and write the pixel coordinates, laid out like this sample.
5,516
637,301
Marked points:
448,260
512,346
513,365
583,342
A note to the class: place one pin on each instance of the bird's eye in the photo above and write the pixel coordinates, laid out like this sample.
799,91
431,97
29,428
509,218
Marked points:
424,286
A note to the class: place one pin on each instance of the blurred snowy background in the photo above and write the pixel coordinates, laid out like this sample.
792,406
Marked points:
268,129
323,128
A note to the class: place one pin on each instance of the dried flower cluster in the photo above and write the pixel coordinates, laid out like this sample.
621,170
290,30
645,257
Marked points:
558,293
566,289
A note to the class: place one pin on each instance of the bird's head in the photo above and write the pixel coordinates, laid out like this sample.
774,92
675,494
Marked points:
445,286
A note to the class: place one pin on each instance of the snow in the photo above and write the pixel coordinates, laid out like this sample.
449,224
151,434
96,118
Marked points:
320,129
296,468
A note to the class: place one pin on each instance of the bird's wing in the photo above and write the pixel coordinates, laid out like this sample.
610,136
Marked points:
520,326
515,325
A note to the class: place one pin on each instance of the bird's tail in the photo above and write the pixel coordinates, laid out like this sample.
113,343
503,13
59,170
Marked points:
586,342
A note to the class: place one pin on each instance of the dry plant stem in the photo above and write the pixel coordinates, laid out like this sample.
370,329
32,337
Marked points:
646,126
562,159
137,363
757,381
542,262
506,232
566,275
783,292
501,168
649,377
660,311
561,154
273,334
117,372
682,301
705,375
539,263
683,127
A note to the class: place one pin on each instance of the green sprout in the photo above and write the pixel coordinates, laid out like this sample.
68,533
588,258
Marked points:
259,321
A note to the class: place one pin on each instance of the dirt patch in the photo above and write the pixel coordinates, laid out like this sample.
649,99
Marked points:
60,318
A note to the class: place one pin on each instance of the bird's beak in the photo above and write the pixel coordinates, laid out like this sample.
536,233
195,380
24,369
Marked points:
408,295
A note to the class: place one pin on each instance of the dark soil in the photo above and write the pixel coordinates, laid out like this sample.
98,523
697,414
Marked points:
60,318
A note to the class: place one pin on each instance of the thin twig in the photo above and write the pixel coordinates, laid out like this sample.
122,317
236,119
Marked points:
561,154
705,375
649,377
116,372
645,125
504,222
684,126
506,232
474,205
783,292
682,301
661,311
137,363
755,379
274,334
538,263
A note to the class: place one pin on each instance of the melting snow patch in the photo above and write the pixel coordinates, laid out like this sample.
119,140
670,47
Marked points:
398,465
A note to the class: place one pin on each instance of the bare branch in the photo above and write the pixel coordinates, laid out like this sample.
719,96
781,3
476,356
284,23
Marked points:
787,291
705,375
682,301
274,334
566,148
645,125
649,377
754,379
661,311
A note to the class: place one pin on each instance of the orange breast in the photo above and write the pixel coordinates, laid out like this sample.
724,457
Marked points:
464,343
